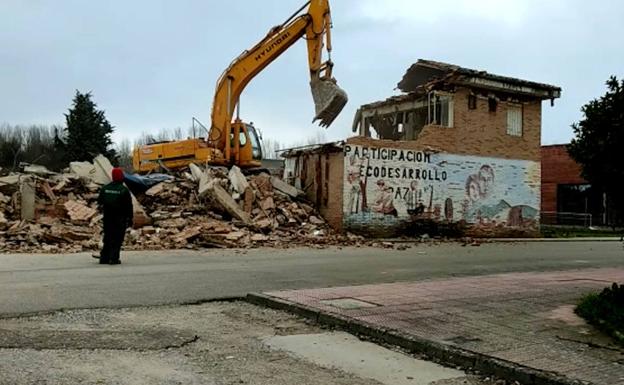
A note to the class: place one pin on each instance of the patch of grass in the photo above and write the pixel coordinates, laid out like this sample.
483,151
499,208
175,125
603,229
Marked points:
576,232
605,311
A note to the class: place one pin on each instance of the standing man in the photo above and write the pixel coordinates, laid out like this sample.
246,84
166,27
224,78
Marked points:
115,203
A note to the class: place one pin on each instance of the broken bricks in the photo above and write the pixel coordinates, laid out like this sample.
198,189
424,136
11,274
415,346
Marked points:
78,212
284,187
225,200
188,212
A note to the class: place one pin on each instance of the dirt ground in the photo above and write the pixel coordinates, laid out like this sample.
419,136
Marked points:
213,343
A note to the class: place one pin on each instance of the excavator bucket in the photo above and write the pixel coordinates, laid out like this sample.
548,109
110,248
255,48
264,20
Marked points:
329,100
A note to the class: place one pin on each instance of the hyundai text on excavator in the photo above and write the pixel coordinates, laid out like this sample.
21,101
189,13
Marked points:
235,142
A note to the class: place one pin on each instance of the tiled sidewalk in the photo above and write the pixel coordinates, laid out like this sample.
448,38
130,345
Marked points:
526,318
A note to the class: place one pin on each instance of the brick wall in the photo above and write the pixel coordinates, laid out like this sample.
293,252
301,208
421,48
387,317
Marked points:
331,208
480,132
557,168
320,175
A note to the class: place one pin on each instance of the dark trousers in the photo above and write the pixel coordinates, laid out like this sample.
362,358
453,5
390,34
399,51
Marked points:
114,234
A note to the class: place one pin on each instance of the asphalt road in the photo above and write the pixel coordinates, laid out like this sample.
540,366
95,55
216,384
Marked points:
37,283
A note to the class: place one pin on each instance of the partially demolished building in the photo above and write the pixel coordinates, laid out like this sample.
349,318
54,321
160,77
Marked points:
457,146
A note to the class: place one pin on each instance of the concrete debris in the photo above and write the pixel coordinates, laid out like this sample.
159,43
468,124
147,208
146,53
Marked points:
103,168
3,221
237,180
84,170
200,208
37,170
225,200
205,183
196,172
155,190
4,199
284,187
316,220
9,180
259,238
27,194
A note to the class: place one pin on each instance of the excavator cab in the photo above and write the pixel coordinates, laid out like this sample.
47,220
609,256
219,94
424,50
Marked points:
256,142
246,150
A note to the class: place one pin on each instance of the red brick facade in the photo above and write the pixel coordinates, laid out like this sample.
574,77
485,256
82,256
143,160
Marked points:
484,133
557,168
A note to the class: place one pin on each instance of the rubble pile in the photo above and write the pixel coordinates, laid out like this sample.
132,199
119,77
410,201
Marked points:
209,208
64,214
199,208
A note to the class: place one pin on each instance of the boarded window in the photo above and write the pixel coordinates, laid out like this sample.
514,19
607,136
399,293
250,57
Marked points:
492,104
514,120
472,102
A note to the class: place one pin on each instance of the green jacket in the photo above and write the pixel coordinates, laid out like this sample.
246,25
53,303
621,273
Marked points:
115,202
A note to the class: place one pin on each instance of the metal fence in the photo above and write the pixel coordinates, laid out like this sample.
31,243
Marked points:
565,219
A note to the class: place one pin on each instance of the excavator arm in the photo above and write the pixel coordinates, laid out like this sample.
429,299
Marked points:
233,142
329,99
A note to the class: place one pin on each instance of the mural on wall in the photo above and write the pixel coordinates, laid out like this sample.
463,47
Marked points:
408,184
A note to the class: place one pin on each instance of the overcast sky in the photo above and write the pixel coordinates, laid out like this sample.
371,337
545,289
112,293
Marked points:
153,64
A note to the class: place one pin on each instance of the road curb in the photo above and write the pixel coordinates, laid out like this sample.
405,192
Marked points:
505,240
546,240
445,354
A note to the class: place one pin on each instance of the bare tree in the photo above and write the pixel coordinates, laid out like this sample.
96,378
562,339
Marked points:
270,148
11,145
319,137
30,144
124,149
177,134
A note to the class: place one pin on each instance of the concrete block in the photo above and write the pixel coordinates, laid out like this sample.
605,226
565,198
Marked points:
238,180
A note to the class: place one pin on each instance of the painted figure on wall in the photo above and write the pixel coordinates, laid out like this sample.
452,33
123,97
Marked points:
354,186
384,200
413,200
484,207
479,189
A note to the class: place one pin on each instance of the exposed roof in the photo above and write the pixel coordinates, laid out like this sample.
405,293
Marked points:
426,74
312,149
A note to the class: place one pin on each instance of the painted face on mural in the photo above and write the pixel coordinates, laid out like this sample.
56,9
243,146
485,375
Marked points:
414,185
486,180
472,188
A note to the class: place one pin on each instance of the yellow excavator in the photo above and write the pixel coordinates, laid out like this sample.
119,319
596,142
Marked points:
231,141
